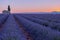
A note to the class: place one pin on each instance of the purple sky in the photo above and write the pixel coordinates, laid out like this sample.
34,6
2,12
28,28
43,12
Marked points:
30,5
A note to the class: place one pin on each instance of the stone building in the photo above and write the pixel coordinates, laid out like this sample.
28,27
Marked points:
7,11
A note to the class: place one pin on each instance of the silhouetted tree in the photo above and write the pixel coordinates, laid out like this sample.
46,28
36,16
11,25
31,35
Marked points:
9,8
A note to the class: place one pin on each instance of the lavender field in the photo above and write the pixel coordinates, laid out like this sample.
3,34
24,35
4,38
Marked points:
29,26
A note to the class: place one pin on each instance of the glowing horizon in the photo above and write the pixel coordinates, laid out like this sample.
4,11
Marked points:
37,10
30,5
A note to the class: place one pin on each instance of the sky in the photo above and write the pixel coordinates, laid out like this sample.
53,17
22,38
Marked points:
30,5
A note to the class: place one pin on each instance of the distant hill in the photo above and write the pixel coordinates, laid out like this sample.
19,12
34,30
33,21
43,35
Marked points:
55,12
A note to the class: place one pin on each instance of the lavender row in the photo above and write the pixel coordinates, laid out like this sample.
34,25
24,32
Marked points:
52,25
48,17
37,31
3,18
11,30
